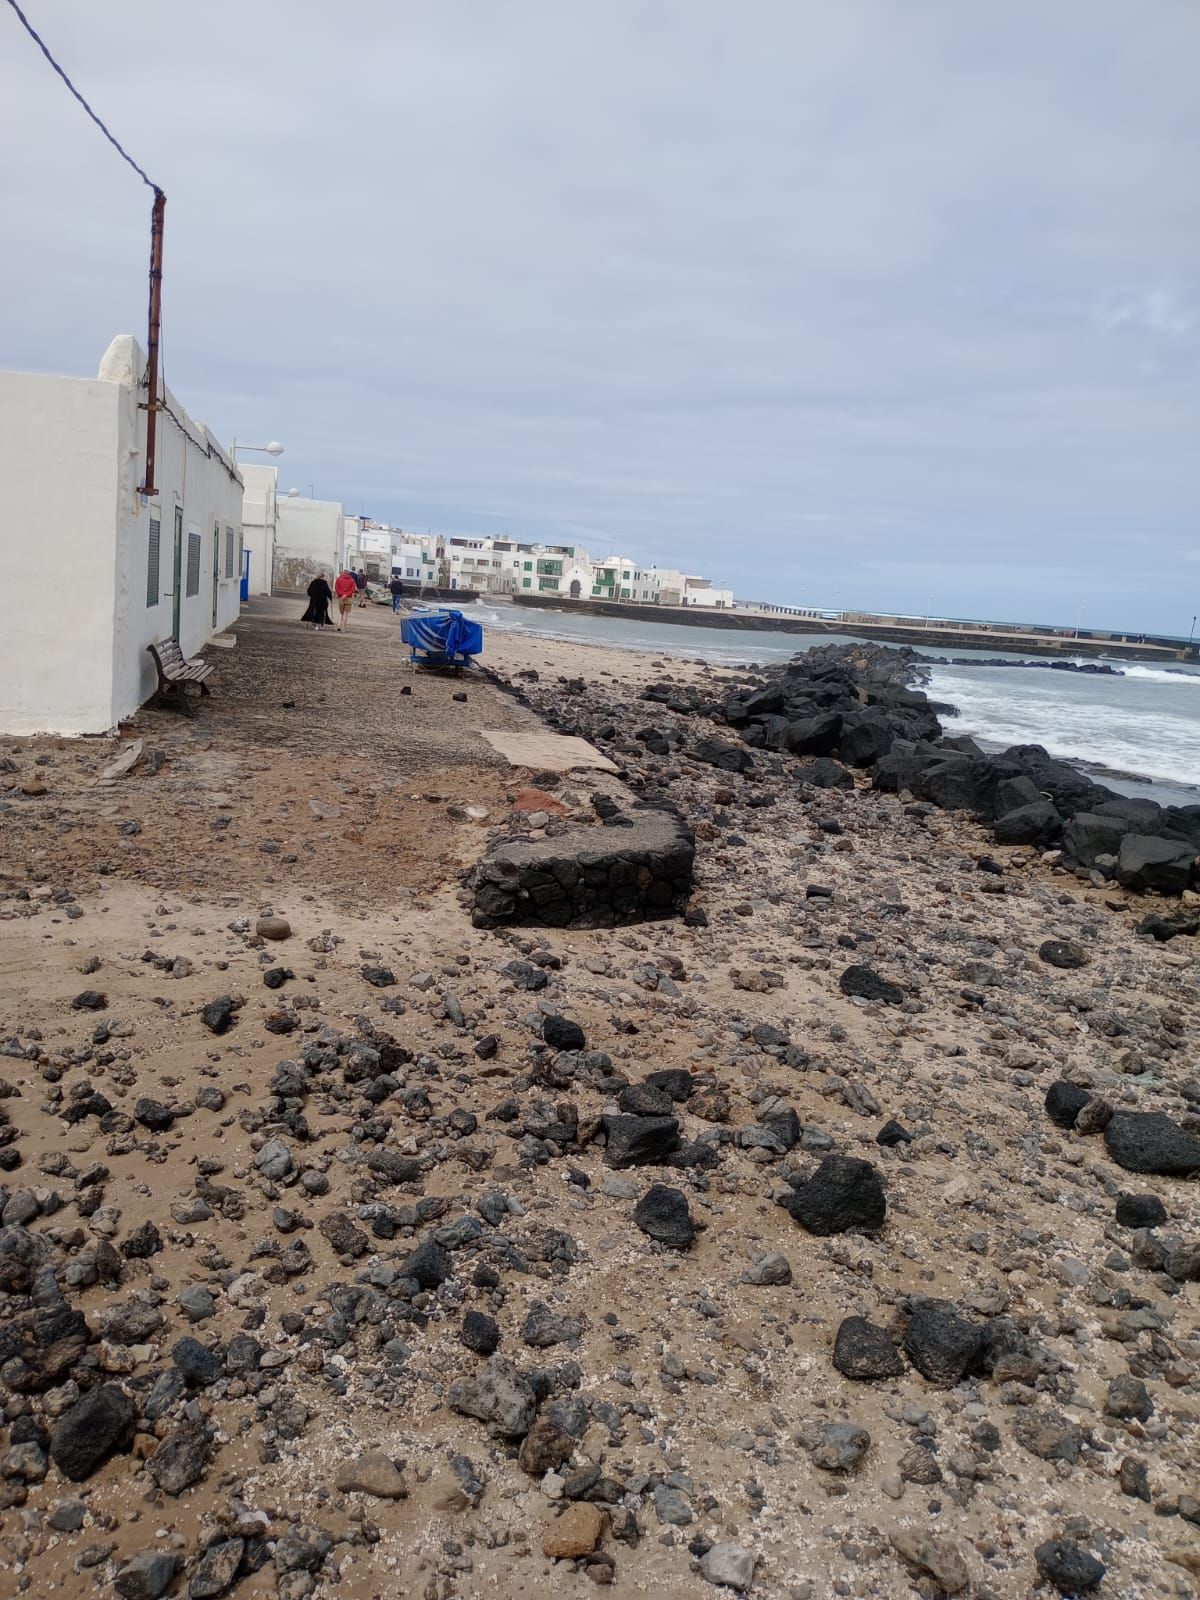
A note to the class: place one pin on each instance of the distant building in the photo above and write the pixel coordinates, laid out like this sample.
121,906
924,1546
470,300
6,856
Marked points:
260,520
612,579
93,571
701,592
618,578
309,542
498,564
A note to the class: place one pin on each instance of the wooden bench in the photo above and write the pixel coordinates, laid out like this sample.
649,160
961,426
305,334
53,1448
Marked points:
176,672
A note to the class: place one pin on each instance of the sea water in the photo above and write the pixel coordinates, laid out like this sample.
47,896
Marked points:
1138,733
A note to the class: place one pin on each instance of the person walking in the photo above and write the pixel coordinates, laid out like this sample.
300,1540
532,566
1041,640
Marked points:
396,590
319,595
360,581
345,588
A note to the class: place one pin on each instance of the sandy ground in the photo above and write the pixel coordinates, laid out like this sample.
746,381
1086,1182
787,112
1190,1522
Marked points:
310,788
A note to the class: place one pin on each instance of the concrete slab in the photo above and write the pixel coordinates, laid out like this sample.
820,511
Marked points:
548,752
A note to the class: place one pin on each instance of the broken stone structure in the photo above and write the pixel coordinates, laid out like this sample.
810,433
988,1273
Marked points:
634,868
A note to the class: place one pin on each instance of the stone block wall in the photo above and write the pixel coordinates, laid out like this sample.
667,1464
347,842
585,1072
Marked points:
636,868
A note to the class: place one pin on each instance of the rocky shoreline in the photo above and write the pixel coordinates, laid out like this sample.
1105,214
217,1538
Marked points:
837,1234
850,707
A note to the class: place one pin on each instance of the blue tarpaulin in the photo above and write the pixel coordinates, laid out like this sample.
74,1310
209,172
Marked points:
441,637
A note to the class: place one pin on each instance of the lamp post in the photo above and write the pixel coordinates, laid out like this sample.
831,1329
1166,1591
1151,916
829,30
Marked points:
271,448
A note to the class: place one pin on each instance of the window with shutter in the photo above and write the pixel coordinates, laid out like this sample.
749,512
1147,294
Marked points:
193,565
152,561
229,552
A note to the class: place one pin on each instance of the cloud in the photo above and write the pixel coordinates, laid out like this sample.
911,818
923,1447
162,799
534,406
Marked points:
1161,309
828,301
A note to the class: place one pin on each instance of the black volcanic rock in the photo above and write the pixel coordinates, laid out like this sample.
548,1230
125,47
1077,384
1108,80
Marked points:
1068,1566
560,1033
813,736
865,1352
1064,954
1064,1101
1149,1141
98,1425
1037,823
1140,1211
941,1344
844,1195
866,984
640,1141
662,1214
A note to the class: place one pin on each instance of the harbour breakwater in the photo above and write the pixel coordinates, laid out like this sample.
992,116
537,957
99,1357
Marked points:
939,636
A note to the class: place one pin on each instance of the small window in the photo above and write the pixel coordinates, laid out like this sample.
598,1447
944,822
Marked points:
193,565
152,573
526,583
229,552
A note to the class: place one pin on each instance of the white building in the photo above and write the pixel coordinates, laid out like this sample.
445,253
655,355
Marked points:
701,592
352,533
560,569
414,561
619,578
260,520
469,563
385,552
613,578
499,565
124,571
309,541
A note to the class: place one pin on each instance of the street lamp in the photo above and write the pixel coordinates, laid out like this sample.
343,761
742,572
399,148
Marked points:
271,448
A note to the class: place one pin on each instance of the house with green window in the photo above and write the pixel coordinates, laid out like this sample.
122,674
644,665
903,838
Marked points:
555,569
612,579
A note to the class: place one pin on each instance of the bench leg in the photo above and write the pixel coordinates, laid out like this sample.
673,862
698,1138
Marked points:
170,699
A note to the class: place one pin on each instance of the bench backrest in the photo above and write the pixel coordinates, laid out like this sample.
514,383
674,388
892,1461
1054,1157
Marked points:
168,653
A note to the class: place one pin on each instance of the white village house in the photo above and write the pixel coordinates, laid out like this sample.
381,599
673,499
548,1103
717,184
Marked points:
310,539
260,523
93,571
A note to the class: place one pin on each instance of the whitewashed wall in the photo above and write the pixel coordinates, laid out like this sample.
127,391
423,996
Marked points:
194,474
58,471
309,540
71,463
259,519
700,593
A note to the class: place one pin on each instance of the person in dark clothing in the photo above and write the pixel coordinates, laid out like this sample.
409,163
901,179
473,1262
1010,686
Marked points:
360,580
319,596
396,590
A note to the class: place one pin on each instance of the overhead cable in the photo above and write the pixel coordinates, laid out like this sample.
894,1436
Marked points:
112,139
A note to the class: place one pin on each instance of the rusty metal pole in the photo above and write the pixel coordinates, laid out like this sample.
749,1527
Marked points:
156,255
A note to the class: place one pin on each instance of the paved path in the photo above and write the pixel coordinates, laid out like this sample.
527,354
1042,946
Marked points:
338,694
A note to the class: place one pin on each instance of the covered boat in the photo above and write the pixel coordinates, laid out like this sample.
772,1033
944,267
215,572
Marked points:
441,638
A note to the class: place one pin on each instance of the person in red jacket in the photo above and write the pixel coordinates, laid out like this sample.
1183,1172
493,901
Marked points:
345,589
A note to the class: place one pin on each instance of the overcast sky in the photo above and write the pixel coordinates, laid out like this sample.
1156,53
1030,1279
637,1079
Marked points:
886,304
